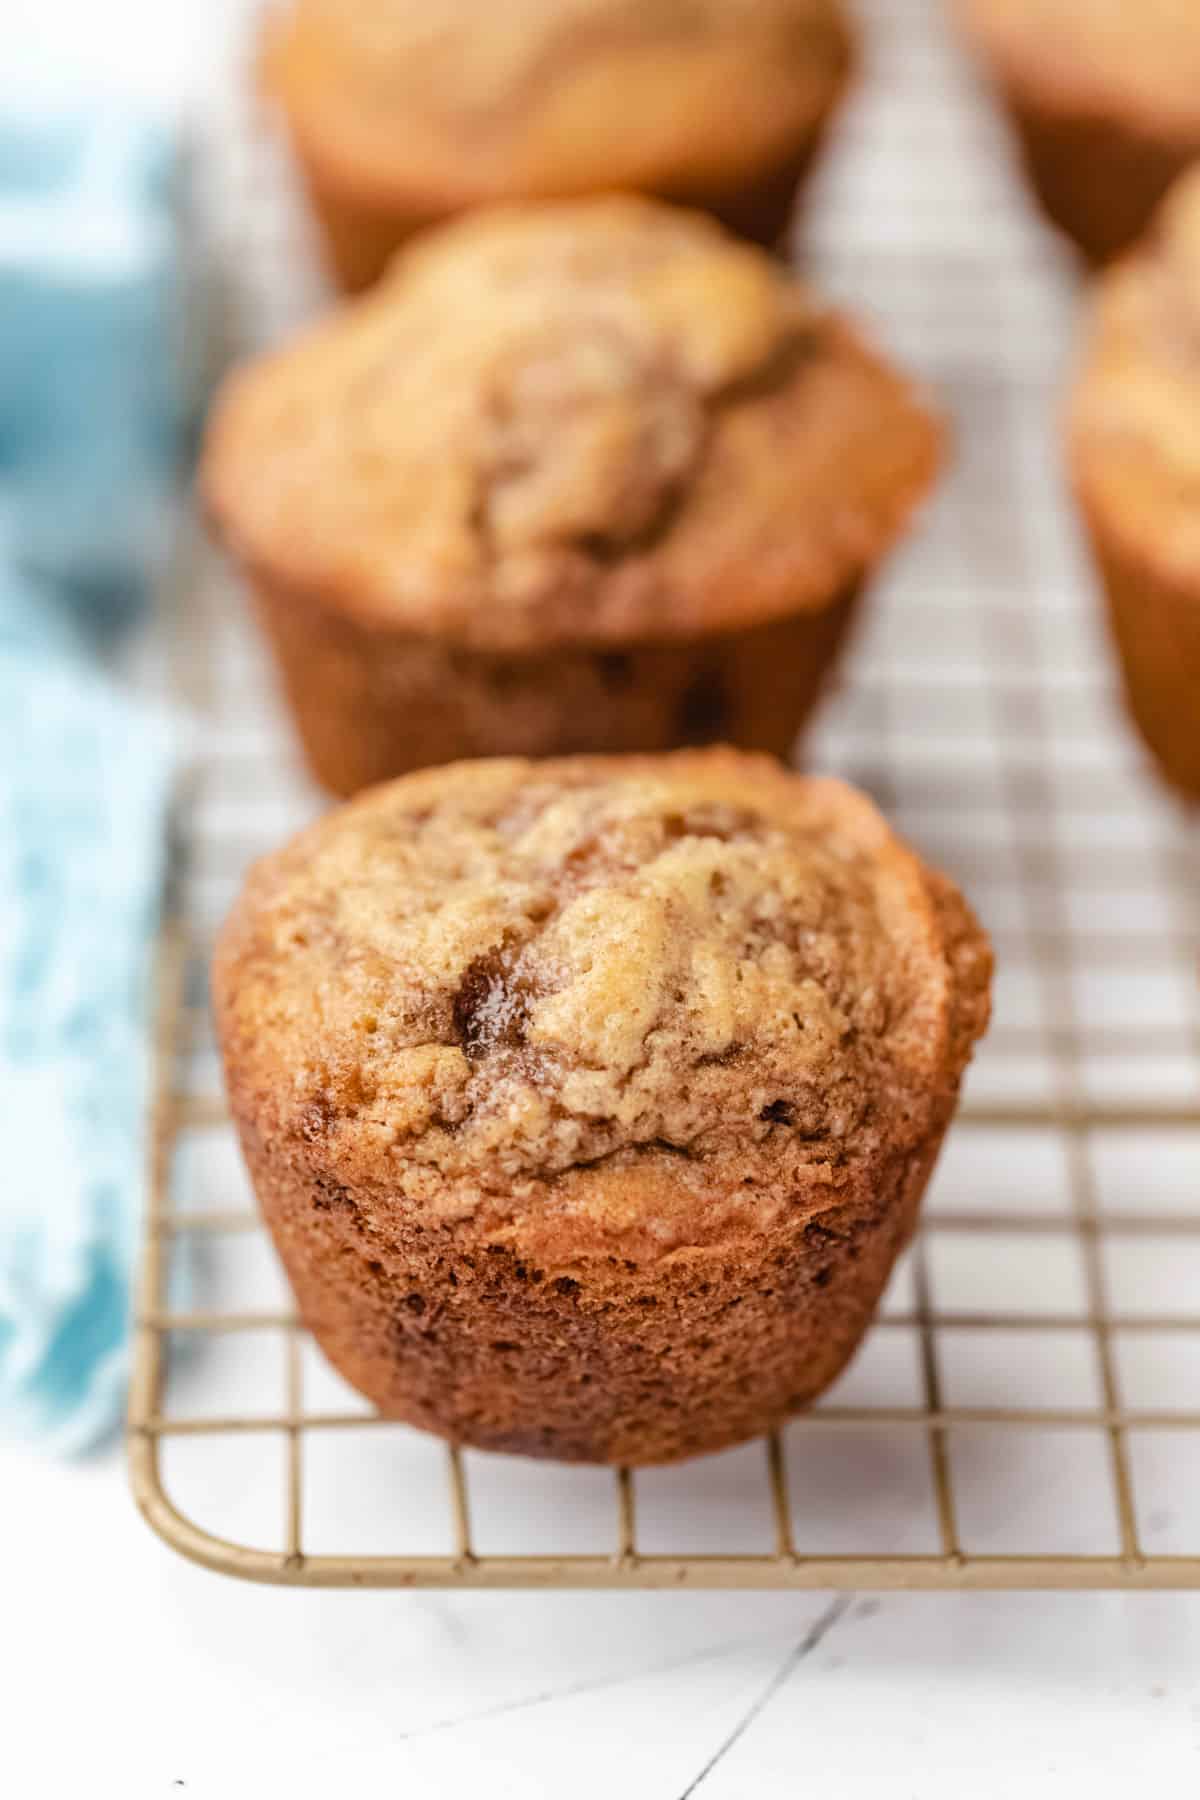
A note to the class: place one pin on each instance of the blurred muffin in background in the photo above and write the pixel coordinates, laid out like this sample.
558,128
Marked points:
1135,456
1105,96
594,476
404,112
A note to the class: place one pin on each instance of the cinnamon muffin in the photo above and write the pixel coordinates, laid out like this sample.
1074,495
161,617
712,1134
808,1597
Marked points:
1135,455
583,477
405,112
589,1102
1105,96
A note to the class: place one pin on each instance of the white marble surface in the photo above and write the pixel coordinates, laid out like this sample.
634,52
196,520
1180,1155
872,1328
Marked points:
130,1672
124,1671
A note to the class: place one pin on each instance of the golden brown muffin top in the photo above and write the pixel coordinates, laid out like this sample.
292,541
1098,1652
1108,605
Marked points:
588,422
1135,410
449,102
511,983
1126,59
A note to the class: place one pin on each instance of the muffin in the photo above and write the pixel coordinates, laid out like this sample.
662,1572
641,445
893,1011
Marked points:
403,114
1105,96
1134,429
590,477
589,1102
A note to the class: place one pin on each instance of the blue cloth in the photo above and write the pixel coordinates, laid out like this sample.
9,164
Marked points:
83,799
94,335
92,393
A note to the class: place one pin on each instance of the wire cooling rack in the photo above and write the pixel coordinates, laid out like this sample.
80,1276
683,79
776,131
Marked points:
1026,1412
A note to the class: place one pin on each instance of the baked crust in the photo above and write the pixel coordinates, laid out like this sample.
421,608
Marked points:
591,477
1134,448
403,114
372,704
590,1102
1105,97
590,424
1134,416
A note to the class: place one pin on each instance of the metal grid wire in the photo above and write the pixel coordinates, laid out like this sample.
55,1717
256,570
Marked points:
1027,1410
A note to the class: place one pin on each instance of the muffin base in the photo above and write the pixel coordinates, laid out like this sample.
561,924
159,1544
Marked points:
370,705
360,233
607,1363
1099,181
1155,622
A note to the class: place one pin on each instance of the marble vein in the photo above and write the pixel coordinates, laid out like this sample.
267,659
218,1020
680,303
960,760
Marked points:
713,1653
837,1609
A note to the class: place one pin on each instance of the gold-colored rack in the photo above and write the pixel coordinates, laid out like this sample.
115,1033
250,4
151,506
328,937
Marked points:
787,1564
979,707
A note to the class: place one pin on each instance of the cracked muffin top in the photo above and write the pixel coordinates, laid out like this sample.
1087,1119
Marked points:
1113,57
1135,411
463,100
647,994
584,423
